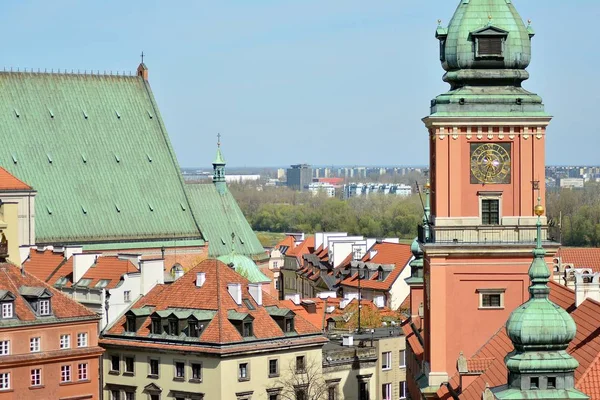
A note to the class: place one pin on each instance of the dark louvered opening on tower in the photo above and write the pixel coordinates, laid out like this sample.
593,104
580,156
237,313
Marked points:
489,46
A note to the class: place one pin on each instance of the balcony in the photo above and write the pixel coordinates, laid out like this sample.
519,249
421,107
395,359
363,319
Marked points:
482,234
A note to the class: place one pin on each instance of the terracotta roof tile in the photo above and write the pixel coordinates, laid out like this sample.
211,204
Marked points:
9,183
580,257
387,253
43,264
63,307
479,364
214,296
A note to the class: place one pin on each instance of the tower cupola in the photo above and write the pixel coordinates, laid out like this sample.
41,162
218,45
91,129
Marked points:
219,168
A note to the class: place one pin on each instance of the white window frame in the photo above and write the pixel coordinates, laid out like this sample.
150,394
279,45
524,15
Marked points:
490,196
245,377
386,360
127,296
386,392
4,381
36,377
82,339
65,341
484,292
35,345
7,310
402,390
82,372
44,307
402,357
4,347
65,373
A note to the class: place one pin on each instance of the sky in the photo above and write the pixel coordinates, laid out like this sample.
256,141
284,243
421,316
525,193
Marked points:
325,82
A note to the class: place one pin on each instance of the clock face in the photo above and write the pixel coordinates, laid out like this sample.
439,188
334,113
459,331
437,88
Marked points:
490,162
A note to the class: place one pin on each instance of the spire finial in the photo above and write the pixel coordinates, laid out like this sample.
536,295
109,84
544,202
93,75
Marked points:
219,140
439,22
142,56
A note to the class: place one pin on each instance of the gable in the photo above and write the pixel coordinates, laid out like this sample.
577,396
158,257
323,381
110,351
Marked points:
96,150
490,31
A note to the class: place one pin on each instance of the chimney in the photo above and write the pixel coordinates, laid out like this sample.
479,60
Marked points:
295,298
587,285
152,273
235,290
325,295
347,340
133,258
81,263
310,306
142,71
70,250
255,290
372,254
200,278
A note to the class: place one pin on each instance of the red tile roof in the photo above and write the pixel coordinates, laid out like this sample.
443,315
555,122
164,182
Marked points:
43,264
387,253
580,257
9,183
303,248
289,241
63,307
413,340
213,295
585,347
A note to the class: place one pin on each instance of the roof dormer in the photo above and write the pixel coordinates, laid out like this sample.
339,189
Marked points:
7,305
38,298
489,42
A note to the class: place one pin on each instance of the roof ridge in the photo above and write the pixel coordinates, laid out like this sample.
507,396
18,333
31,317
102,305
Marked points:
65,71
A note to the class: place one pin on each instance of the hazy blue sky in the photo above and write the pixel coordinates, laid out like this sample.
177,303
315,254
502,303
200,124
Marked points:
317,81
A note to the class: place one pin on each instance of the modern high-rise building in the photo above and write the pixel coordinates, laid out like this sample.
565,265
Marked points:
299,176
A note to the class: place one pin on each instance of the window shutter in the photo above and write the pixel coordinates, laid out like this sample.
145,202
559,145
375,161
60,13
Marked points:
490,46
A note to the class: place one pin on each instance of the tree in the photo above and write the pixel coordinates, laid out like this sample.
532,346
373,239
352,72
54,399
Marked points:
302,380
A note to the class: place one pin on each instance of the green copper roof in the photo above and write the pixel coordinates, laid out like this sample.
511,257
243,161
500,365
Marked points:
219,216
219,160
96,150
244,266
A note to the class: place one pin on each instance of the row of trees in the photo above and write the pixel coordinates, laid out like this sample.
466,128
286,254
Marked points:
574,214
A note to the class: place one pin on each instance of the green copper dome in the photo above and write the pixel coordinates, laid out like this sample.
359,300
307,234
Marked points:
416,249
244,266
493,18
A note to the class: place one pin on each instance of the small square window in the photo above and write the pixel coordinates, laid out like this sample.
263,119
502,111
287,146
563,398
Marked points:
243,372
534,383
36,377
4,347
490,212
65,341
82,339
34,345
129,365
196,372
491,298
273,368
551,382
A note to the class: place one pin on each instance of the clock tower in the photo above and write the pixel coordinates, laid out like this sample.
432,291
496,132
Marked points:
487,169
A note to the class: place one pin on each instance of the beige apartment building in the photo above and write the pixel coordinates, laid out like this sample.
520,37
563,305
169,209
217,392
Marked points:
211,335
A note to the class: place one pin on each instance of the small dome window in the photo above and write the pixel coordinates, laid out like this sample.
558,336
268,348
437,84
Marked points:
489,42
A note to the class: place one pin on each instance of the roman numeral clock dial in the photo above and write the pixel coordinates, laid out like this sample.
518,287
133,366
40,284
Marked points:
490,163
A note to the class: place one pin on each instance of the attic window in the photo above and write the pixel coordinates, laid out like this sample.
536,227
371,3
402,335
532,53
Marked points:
195,328
173,327
130,324
84,282
61,281
102,283
248,304
44,307
247,329
156,328
489,46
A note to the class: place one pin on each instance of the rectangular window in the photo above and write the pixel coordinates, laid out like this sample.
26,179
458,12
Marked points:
65,373
115,395
7,310
65,341
130,323
273,368
4,347
402,357
36,377
386,360
300,394
82,372
44,307
534,383
243,373
402,389
114,363
490,212
193,330
129,396
129,365
489,46
34,344
196,371
332,393
491,298
300,364
551,382
127,296
154,367
180,370
156,329
386,391
173,327
4,380
247,329
82,339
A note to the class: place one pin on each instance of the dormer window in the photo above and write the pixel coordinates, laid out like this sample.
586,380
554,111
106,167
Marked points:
289,325
489,42
44,307
173,327
39,299
156,327
7,310
130,323
247,329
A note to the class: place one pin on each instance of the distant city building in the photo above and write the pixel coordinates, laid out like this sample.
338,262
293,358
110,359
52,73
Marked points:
364,189
280,174
322,187
241,178
299,176
571,183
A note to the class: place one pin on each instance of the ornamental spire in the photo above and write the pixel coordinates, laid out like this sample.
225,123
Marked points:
219,167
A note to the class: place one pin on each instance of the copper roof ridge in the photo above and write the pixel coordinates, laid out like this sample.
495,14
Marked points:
65,71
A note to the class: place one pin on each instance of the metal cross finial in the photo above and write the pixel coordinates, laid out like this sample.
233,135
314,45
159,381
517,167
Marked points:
142,55
219,139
